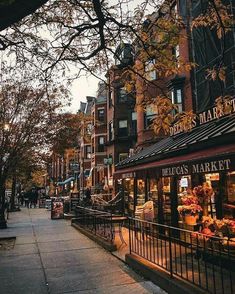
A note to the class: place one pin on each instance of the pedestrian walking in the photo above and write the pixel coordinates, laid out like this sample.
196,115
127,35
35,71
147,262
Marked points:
88,196
26,199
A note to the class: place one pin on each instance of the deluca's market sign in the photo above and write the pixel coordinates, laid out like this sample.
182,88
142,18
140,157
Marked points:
205,167
203,118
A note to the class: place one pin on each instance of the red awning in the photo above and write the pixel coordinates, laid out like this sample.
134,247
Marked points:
198,155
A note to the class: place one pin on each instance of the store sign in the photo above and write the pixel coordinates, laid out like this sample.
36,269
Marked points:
211,166
205,167
202,118
128,175
175,170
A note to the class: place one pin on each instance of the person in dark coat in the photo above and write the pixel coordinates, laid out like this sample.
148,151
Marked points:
34,197
26,198
88,195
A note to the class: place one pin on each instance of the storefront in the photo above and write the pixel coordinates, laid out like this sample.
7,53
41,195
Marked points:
190,174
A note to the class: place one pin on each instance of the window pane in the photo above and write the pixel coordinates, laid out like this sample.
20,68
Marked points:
178,96
122,156
150,72
122,95
101,140
101,114
134,116
122,124
180,108
172,96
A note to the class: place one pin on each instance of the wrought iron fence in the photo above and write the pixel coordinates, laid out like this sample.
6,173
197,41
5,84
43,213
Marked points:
96,221
205,261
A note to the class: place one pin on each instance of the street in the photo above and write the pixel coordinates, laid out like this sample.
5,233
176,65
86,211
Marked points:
50,256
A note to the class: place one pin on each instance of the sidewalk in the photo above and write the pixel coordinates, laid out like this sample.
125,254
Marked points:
50,256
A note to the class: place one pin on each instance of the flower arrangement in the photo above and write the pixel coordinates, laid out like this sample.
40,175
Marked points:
203,193
189,199
191,209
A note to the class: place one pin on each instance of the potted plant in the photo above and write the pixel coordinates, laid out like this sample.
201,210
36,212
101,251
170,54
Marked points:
203,194
190,213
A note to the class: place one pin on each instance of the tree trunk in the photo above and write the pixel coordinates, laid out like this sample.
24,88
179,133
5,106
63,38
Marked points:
13,192
3,223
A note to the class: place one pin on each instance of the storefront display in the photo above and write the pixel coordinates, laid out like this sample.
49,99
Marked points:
128,185
140,198
153,195
166,201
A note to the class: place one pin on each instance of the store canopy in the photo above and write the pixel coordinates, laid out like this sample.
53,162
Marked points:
194,156
66,181
213,139
214,133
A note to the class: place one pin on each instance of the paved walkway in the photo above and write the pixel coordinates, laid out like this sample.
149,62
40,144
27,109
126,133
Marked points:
50,256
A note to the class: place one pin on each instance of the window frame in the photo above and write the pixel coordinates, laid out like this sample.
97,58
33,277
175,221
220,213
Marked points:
122,97
122,131
102,117
175,98
101,146
150,71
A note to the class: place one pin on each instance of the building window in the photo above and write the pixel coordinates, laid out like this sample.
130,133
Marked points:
89,128
177,99
111,133
88,151
122,128
101,115
121,95
150,71
100,144
176,54
122,156
119,58
134,123
149,116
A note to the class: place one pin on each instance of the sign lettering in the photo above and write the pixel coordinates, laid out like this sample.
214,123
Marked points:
203,118
205,167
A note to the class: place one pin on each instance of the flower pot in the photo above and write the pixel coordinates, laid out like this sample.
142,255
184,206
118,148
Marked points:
190,219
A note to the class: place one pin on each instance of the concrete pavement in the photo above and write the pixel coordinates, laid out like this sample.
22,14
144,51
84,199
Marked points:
50,256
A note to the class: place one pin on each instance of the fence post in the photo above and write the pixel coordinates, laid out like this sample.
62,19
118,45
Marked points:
129,230
170,252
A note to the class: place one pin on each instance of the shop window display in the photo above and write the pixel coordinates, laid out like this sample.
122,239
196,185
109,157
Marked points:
140,199
129,196
229,201
153,195
166,205
212,180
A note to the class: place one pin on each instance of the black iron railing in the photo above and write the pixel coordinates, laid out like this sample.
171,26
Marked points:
207,262
96,221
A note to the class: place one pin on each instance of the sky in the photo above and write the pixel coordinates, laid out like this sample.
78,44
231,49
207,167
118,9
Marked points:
82,87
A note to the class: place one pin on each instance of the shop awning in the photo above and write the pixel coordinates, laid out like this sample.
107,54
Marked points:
191,157
66,181
214,133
